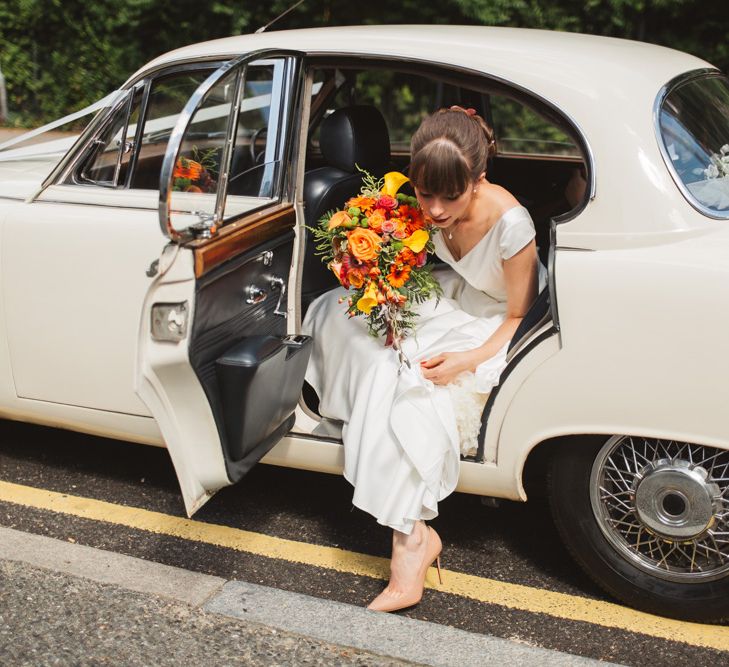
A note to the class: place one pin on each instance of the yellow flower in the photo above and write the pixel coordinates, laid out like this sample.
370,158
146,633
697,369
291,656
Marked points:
369,299
394,180
416,241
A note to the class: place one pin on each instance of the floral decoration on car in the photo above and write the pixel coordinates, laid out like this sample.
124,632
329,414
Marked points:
196,174
718,164
377,247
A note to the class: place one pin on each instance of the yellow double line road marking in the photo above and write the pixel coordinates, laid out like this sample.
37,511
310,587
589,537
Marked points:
515,596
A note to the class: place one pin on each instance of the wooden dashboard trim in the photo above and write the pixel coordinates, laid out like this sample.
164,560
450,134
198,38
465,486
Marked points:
251,230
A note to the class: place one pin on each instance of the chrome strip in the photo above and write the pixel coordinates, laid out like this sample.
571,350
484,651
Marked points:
227,157
78,151
145,85
674,83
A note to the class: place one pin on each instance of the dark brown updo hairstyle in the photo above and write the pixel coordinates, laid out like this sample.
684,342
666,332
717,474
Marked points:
449,151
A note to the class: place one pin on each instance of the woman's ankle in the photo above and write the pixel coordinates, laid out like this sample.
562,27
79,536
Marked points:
412,541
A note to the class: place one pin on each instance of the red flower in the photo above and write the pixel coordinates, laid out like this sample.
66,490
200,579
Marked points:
387,202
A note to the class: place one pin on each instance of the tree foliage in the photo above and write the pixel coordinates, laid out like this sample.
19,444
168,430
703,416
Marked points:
60,55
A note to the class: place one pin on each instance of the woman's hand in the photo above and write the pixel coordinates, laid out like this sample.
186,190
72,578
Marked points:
446,367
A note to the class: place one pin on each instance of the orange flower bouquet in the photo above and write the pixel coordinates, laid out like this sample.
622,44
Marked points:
377,246
196,175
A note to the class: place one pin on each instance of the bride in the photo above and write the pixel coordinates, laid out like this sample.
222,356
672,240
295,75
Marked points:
405,428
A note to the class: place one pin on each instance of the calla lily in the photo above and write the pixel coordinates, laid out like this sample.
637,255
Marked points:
416,241
368,300
394,180
338,219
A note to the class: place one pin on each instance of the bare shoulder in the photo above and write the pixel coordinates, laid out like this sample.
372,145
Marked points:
502,199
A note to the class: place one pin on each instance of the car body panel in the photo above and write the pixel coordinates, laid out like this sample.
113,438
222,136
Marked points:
72,329
640,363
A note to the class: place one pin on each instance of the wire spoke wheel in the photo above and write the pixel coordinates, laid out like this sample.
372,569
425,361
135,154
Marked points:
664,505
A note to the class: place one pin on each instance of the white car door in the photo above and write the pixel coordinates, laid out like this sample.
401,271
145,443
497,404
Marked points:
216,366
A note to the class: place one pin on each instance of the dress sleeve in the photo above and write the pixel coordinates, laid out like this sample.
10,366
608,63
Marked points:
518,230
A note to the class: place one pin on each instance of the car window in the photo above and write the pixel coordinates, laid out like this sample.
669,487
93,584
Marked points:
521,131
694,129
404,99
251,175
254,156
167,97
108,162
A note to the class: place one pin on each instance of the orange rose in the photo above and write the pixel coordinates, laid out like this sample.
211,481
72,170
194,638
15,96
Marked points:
338,219
375,219
364,244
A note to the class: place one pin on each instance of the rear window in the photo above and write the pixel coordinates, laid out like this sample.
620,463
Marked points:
694,130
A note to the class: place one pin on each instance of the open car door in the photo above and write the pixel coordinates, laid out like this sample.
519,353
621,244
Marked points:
215,364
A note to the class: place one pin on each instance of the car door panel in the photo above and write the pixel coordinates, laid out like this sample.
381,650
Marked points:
240,353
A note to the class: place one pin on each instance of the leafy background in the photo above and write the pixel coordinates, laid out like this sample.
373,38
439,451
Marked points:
60,55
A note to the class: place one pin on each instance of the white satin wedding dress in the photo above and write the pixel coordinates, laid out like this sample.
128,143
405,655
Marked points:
403,435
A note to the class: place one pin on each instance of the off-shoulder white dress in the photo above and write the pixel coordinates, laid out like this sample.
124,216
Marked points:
403,435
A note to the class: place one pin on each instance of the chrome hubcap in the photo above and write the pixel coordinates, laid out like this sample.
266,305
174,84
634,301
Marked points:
664,505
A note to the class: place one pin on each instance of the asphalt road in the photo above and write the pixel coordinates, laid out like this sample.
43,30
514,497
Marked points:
514,543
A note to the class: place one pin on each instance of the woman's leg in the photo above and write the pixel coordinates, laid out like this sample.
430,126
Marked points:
412,555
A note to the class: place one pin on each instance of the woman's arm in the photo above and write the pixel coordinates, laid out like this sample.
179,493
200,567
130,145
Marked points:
521,278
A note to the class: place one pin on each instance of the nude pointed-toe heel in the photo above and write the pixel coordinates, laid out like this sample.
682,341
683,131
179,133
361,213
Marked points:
388,602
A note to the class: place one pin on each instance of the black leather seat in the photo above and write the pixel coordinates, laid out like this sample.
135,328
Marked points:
350,137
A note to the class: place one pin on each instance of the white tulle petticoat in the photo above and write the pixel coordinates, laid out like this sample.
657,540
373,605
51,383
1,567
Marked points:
403,435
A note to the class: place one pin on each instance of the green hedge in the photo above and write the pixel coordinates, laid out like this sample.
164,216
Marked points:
58,56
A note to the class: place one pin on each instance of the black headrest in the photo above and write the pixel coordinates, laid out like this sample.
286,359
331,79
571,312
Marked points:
355,135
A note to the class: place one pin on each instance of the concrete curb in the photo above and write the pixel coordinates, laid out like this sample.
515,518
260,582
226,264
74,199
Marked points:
333,622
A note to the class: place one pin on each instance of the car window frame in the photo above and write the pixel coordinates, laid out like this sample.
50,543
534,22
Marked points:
285,139
663,93
477,81
67,172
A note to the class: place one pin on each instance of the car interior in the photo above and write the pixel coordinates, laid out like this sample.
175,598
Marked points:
363,117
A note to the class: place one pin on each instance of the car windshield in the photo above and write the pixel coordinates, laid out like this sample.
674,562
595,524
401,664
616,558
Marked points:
694,128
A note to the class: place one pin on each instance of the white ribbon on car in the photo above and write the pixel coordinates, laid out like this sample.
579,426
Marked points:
107,101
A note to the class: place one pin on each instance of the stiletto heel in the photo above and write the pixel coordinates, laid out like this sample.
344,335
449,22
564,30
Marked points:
386,601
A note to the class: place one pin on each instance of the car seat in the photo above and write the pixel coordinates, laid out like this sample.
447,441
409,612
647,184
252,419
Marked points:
351,137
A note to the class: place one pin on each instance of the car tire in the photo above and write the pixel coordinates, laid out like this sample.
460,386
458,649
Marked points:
578,502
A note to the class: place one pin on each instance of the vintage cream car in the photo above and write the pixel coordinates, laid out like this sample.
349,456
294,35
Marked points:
156,267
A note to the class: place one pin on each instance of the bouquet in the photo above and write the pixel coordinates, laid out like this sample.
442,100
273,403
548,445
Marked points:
377,246
195,175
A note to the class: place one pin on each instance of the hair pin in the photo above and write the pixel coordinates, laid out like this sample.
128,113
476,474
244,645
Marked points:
469,112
